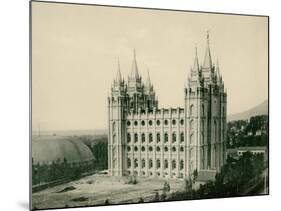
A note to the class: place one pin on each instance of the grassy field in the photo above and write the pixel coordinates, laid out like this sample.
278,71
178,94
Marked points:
95,189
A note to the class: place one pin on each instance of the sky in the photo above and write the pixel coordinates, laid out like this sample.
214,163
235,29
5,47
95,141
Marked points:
75,52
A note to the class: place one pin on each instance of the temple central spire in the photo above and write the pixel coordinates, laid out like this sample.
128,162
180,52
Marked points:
134,71
207,60
118,75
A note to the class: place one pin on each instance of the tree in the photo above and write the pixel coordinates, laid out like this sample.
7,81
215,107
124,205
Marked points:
106,202
141,200
156,198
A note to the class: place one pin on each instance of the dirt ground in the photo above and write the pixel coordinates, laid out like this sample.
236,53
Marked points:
96,189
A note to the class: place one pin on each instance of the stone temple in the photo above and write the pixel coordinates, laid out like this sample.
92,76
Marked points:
147,141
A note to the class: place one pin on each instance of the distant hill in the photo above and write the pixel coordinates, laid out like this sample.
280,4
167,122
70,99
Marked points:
261,109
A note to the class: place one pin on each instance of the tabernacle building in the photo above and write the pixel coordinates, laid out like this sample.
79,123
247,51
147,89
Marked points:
145,140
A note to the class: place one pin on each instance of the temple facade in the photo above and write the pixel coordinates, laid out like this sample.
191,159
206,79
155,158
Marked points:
145,140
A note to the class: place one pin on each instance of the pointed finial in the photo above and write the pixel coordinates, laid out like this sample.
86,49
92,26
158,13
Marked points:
148,82
134,71
208,60
118,76
208,35
196,62
134,53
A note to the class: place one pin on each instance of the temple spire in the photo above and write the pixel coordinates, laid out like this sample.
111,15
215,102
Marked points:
148,82
207,60
218,68
196,63
118,75
134,71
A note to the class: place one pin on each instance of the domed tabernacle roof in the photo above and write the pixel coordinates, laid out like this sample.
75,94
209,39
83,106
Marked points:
53,148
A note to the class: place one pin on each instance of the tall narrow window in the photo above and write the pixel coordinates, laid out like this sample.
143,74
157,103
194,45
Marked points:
129,163
113,126
150,137
136,163
174,137
142,137
166,138
182,137
181,165
191,124
136,137
150,163
166,165
158,164
203,110
174,164
158,137
143,163
128,137
191,110
191,138
114,138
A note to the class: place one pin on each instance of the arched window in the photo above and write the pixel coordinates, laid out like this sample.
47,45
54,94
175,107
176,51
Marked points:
150,149
182,121
150,122
174,122
114,138
128,148
166,122
182,137
136,137
158,164
174,164
158,149
135,148
129,163
136,163
191,110
142,137
166,149
181,149
191,138
143,163
142,148
158,122
128,137
136,123
128,123
113,126
192,124
166,165
143,123
174,149
150,137
174,137
181,165
150,163
158,137
166,138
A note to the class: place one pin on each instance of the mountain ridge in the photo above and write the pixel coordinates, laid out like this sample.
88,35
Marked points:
260,109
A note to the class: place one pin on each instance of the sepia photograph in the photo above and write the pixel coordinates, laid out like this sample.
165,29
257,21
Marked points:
139,105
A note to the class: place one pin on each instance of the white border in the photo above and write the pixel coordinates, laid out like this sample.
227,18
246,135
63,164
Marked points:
14,106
